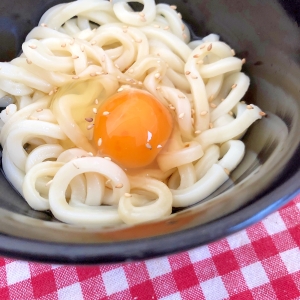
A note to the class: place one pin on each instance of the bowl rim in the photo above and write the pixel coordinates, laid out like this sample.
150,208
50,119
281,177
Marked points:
141,249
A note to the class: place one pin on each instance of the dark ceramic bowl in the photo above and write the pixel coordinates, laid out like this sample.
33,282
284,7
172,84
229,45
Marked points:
266,33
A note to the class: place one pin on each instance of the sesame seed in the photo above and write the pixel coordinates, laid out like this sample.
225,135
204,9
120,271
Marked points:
148,146
105,113
230,113
173,7
89,127
90,154
99,73
138,40
63,45
92,74
249,107
184,35
202,47
233,52
51,93
82,48
194,77
209,47
107,158
157,75
117,66
197,131
95,110
196,55
180,116
203,113
89,119
107,181
130,71
118,77
179,15
227,171
212,105
263,114
166,28
43,25
182,26
234,86
211,125
75,165
93,43
211,98
39,110
159,146
99,142
75,77
119,186
127,195
187,73
181,96
72,42
32,46
7,110
120,89
141,14
75,56
200,62
28,61
243,60
140,83
143,19
96,101
49,182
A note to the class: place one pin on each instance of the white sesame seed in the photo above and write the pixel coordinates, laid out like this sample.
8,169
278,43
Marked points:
148,146
249,107
32,46
209,47
194,77
141,14
82,48
75,56
200,62
127,195
197,131
95,110
92,74
90,154
180,116
120,90
43,25
233,52
63,45
75,77
107,158
96,101
173,7
39,110
204,112
105,113
234,86
119,186
89,119
227,171
159,146
213,105
263,114
75,165
157,75
93,43
211,125
117,66
166,28
99,142
243,60
28,61
89,127
196,55
49,182
187,72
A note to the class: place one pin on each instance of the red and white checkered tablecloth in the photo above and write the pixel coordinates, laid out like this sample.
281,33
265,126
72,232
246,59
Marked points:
261,262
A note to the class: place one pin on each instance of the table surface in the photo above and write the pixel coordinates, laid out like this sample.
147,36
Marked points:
261,262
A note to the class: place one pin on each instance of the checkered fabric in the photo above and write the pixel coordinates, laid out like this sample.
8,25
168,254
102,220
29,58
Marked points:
261,262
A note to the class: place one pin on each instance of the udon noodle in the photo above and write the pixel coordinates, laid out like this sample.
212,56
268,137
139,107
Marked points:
80,54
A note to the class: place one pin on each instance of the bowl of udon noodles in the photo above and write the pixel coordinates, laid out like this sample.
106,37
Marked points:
135,129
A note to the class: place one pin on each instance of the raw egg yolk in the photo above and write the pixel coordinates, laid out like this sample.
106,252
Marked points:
131,128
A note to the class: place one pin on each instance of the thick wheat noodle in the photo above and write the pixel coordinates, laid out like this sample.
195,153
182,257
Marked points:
82,53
